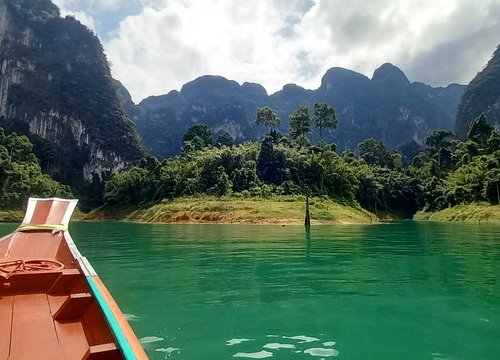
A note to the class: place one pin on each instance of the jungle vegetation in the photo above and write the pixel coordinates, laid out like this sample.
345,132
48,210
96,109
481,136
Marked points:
21,175
445,173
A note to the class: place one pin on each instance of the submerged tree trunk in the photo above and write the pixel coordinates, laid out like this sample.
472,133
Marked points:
307,221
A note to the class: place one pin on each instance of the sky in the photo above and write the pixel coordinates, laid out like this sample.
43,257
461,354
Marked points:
156,46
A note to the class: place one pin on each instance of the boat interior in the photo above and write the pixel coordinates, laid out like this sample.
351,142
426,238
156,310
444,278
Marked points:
47,310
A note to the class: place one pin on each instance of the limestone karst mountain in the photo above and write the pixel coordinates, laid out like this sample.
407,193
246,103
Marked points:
387,107
56,87
481,96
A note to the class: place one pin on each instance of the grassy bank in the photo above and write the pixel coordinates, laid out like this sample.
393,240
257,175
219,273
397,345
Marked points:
11,216
230,210
16,216
470,212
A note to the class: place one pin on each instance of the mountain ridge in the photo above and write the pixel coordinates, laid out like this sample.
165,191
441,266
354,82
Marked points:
367,107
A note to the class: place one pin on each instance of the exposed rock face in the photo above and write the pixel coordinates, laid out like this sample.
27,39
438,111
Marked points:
481,96
222,104
387,107
55,87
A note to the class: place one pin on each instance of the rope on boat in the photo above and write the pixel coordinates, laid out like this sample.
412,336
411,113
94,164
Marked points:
31,265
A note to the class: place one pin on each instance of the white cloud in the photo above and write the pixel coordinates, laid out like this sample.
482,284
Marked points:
95,5
366,34
171,42
159,50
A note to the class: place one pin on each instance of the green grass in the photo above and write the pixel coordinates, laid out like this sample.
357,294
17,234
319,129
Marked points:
210,209
11,216
470,212
17,216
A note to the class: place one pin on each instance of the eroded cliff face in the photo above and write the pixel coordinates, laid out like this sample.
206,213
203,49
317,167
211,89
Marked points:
56,87
481,96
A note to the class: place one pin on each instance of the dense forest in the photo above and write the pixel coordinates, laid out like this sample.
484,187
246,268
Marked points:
446,172
21,175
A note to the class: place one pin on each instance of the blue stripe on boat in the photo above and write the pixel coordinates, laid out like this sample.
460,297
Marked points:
123,344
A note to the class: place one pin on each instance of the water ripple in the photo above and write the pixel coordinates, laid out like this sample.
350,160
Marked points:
256,355
198,286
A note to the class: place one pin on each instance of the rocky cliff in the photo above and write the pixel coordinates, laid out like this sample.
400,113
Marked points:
387,107
481,96
56,87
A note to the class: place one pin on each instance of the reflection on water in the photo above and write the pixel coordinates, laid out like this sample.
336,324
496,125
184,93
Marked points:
396,291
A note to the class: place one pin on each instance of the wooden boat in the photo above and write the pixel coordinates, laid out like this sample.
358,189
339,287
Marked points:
52,303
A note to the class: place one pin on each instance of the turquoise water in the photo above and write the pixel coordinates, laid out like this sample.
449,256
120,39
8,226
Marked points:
396,291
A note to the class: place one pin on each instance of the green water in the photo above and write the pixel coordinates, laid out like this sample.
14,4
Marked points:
397,291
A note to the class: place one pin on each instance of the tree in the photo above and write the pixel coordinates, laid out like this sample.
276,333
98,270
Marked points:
149,162
480,131
465,184
20,148
464,152
224,139
5,169
439,145
197,137
20,173
324,117
491,186
439,139
267,117
409,151
300,126
126,187
222,185
271,163
374,152
244,177
369,188
494,142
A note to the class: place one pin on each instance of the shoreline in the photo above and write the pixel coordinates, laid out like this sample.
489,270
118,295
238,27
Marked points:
475,212
284,211
227,210
282,223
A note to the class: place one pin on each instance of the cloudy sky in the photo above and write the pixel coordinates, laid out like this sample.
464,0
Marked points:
158,45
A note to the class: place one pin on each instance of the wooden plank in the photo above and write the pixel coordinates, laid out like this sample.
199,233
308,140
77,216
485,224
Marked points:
96,327
33,332
6,304
55,302
74,307
32,282
65,282
103,352
72,340
41,244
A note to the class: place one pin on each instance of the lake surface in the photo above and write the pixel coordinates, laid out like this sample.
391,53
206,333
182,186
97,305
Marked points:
396,291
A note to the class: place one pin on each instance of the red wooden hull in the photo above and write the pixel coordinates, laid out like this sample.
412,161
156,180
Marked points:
52,303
